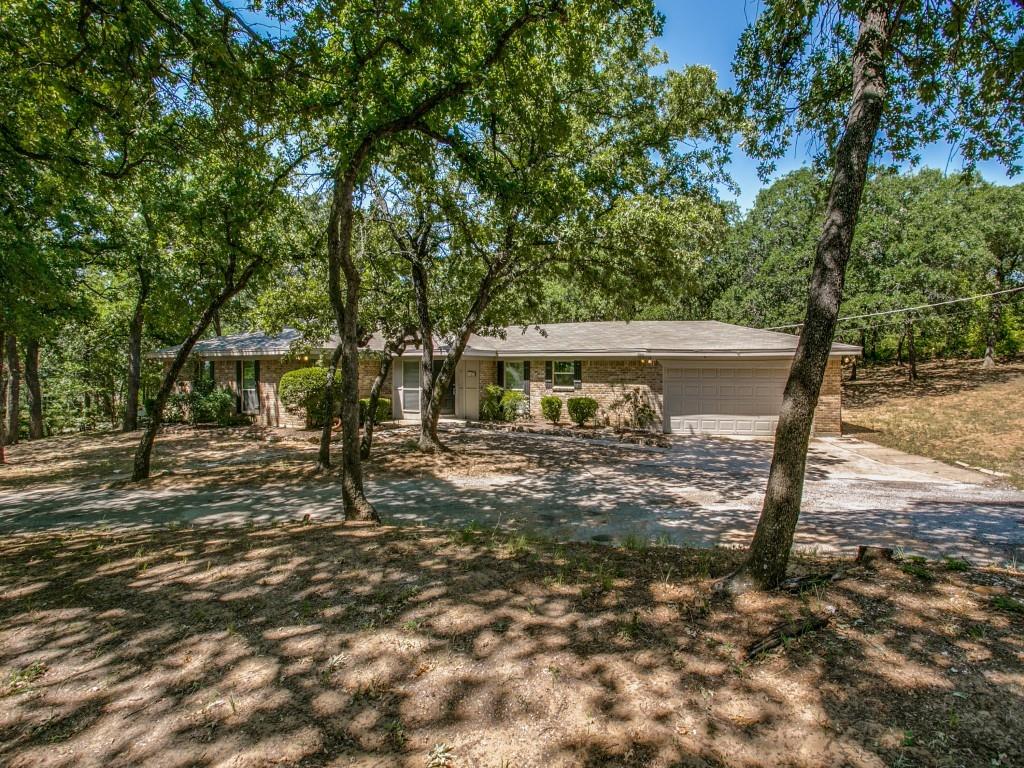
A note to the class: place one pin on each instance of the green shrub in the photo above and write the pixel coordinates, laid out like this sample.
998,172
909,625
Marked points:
218,406
383,410
305,389
490,403
512,401
581,409
551,407
498,404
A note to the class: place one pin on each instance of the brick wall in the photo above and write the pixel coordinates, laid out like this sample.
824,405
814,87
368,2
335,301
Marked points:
608,382
828,416
272,411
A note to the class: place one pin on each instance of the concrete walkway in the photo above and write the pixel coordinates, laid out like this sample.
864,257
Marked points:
701,491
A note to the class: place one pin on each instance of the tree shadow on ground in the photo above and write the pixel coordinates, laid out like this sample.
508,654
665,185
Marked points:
332,645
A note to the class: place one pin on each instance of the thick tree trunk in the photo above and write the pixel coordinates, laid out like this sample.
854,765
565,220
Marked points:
346,313
12,394
35,393
131,402
144,452
911,354
323,462
769,551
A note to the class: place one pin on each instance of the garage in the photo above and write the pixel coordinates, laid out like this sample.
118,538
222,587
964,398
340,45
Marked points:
741,398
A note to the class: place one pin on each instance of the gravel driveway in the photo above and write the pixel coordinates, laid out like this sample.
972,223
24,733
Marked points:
701,491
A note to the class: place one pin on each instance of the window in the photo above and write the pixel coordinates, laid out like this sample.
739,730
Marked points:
249,385
410,385
515,376
564,373
203,372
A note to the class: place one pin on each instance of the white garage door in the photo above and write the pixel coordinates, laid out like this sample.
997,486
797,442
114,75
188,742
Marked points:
736,399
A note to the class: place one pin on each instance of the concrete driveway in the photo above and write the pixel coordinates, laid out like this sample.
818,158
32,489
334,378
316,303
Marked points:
701,491
708,491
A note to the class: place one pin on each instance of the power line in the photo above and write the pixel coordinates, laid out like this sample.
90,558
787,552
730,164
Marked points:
908,309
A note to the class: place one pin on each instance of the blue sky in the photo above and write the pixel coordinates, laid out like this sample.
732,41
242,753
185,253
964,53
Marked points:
706,33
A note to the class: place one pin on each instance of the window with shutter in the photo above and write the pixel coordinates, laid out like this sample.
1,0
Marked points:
564,374
514,376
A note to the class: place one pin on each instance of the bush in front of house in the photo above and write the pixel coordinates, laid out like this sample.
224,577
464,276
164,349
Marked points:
498,404
217,406
512,403
204,403
383,410
581,409
490,403
551,407
305,389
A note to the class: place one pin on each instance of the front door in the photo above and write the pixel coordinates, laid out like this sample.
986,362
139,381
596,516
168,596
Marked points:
469,389
448,401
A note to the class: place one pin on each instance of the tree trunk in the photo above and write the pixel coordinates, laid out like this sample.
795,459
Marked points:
429,410
899,349
995,320
131,403
35,394
217,329
12,395
769,551
853,370
144,452
3,401
323,462
346,313
911,354
391,351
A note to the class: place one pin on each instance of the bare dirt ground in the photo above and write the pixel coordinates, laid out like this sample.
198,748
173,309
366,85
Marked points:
955,411
323,644
332,645
697,492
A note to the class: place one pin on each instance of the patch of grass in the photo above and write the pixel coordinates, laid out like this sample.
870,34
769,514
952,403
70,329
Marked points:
956,411
20,679
1007,604
916,566
634,542
956,565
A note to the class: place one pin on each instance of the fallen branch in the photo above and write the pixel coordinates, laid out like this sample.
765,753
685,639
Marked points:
786,631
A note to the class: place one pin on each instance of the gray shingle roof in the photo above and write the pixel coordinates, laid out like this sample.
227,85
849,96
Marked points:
654,338
640,338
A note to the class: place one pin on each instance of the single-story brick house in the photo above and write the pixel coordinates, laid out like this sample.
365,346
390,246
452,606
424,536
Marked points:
698,376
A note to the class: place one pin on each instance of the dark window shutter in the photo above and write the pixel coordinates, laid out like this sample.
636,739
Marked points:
548,374
238,386
577,373
197,371
213,371
501,374
256,376
526,377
